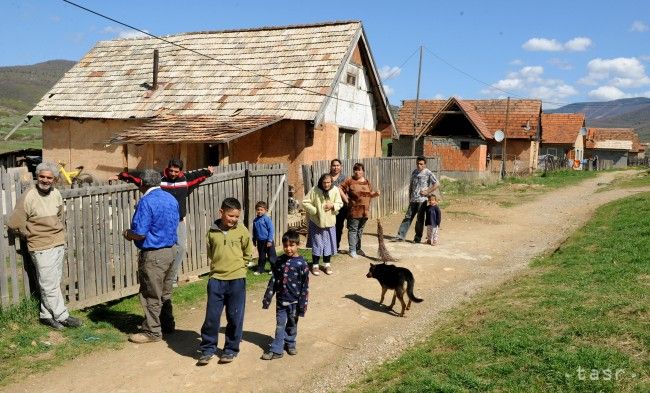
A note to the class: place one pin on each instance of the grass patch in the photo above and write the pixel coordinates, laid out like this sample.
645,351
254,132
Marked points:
642,179
577,323
27,136
27,347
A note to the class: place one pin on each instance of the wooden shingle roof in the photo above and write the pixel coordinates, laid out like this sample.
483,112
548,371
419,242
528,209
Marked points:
613,138
523,115
192,129
561,128
280,72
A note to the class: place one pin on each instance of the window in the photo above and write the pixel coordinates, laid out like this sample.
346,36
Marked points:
348,142
351,79
464,145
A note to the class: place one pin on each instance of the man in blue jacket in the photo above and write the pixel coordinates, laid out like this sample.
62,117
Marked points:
153,230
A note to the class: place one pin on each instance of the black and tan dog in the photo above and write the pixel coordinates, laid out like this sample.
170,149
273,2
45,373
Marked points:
399,279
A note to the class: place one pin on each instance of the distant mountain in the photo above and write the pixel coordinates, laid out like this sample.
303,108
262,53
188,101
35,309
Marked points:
626,113
22,86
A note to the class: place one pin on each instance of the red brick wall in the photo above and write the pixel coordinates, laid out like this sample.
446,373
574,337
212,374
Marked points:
455,159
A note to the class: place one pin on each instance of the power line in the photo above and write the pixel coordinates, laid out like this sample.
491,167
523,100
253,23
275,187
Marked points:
213,58
509,93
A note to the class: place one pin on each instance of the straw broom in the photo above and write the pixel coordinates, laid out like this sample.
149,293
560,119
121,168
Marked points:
383,253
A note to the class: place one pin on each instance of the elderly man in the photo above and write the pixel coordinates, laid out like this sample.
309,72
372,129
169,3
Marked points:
38,216
153,230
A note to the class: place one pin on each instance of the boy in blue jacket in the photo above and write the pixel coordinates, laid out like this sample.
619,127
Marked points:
290,283
263,235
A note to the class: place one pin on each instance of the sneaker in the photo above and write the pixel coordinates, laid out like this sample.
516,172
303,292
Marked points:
72,322
250,264
291,350
257,273
226,358
314,271
54,324
271,355
144,338
353,254
360,252
204,359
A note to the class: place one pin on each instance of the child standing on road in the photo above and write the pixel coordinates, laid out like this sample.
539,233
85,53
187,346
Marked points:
263,234
290,281
229,248
432,220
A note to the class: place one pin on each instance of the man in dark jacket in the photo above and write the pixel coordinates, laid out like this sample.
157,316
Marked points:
180,184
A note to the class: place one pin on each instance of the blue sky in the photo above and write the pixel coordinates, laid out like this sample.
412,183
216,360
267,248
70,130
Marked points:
558,51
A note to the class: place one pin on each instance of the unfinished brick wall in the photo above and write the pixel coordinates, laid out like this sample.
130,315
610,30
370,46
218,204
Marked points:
455,156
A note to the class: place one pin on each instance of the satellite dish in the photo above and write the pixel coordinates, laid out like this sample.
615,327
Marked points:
499,135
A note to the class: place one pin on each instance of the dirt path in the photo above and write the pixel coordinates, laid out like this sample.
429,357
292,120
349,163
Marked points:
345,331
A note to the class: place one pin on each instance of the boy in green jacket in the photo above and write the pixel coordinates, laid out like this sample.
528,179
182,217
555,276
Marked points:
229,248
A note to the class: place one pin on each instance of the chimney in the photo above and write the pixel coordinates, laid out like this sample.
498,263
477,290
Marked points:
155,69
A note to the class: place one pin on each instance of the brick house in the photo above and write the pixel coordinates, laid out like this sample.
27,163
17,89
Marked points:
612,146
461,132
290,94
561,135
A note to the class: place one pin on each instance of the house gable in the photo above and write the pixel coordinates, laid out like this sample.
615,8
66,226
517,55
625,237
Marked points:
358,100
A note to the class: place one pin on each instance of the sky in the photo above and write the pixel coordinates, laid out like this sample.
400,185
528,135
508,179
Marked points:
558,51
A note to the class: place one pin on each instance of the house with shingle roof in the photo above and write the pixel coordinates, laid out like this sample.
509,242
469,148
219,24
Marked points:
611,147
562,137
290,94
462,133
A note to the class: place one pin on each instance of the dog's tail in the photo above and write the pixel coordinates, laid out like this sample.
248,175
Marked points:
410,284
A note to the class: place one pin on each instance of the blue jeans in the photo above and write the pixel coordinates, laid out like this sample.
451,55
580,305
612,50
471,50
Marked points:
355,232
232,295
415,208
263,251
286,327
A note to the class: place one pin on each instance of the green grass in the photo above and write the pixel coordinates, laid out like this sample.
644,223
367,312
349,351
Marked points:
640,180
27,136
27,347
553,179
577,318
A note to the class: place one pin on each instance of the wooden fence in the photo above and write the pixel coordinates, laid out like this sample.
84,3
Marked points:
100,265
389,175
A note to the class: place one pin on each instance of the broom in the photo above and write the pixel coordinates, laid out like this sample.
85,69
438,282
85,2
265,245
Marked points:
383,253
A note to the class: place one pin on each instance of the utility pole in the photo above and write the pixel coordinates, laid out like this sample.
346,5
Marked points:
505,141
417,107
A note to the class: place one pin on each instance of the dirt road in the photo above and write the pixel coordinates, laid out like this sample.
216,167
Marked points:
344,331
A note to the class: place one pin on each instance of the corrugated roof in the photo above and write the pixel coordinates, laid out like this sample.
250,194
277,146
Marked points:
193,129
613,138
561,127
113,79
522,114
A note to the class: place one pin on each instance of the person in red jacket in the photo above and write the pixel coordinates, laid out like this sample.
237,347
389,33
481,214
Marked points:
180,184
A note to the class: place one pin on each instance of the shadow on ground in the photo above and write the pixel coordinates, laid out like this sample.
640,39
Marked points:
369,304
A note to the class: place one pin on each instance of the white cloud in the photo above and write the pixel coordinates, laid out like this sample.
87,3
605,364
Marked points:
560,63
625,72
516,62
638,26
542,44
388,90
388,72
577,44
607,93
131,34
55,18
123,34
529,82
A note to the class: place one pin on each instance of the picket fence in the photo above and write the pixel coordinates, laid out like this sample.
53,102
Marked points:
100,265
389,175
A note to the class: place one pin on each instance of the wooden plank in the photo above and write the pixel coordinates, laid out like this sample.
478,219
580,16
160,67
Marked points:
87,248
116,234
78,247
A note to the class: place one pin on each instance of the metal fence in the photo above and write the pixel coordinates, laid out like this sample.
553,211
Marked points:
100,265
